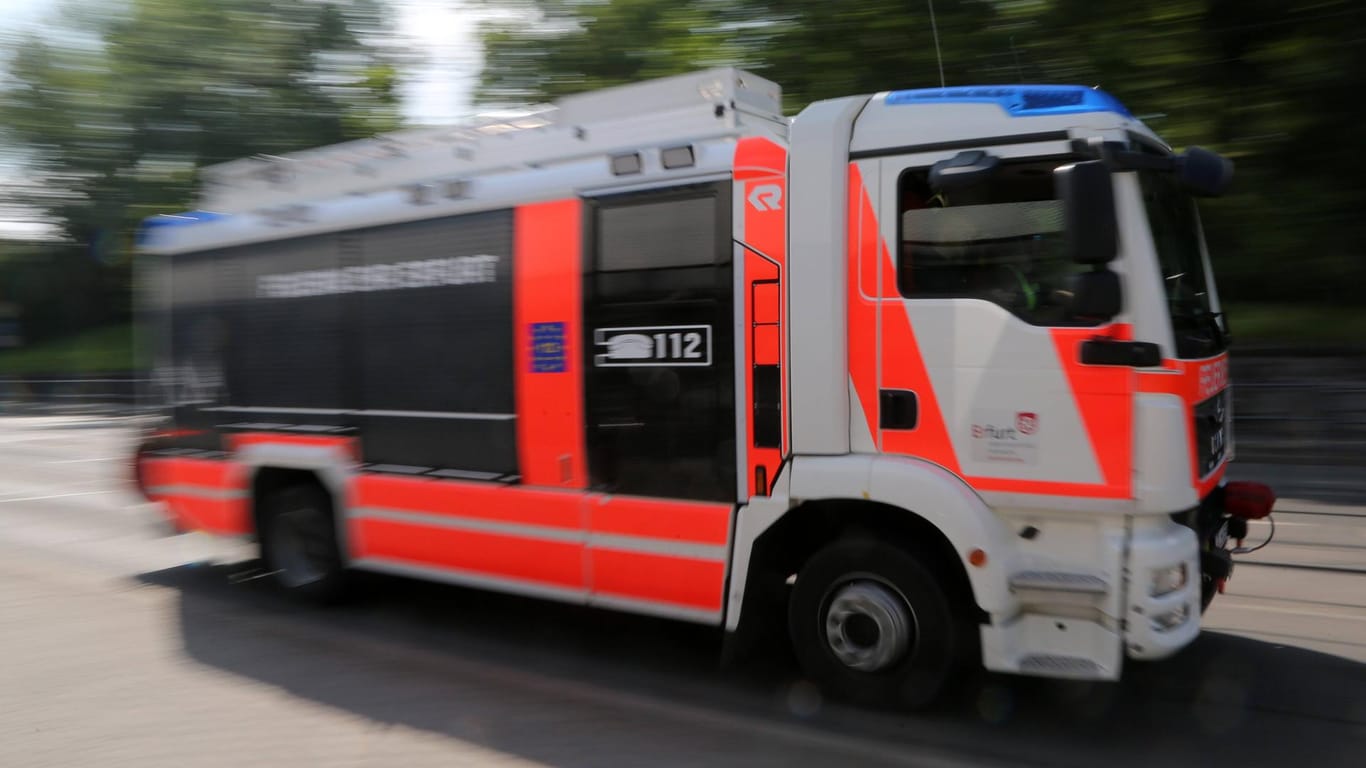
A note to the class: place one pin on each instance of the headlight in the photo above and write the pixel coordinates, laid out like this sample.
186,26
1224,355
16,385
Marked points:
1166,622
1167,580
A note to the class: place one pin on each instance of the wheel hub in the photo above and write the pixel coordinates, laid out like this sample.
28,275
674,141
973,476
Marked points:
868,626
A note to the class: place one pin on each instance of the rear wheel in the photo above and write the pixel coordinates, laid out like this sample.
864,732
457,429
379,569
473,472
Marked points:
299,543
871,624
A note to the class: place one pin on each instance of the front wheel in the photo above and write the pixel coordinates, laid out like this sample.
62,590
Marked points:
871,624
299,544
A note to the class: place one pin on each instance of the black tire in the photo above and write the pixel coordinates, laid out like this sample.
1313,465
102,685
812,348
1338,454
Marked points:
937,647
299,544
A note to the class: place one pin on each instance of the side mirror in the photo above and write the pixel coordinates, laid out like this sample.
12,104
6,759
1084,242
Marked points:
1088,211
963,170
1096,296
1204,173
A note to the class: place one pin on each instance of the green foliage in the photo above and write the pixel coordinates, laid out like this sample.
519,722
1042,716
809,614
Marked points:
1297,324
110,115
101,350
1274,84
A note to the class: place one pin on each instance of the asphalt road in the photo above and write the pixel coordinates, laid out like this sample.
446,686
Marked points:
121,645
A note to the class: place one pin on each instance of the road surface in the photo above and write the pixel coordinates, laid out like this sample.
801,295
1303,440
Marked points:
123,645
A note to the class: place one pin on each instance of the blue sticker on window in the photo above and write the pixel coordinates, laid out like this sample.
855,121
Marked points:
547,348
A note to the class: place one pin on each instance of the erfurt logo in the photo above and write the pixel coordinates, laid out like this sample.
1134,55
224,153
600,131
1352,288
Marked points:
993,432
1213,377
1005,436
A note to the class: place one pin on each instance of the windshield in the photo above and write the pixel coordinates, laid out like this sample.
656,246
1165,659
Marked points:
1200,332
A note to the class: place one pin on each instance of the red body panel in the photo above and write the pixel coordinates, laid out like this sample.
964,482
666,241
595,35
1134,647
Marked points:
547,284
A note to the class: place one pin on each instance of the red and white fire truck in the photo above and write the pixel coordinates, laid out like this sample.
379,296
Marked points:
931,378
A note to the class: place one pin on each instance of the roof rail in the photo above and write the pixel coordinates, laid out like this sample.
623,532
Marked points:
680,109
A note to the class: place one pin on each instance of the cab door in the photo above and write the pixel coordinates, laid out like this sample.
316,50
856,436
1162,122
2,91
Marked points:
961,344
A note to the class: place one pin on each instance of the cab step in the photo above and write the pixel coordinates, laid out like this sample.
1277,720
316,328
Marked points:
1050,665
1059,581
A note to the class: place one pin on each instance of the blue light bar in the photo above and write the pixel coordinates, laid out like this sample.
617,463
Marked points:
151,224
1018,100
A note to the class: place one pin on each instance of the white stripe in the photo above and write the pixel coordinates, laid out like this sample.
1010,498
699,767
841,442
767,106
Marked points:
616,542
472,579
665,610
544,533
197,491
264,409
466,415
443,415
516,586
674,548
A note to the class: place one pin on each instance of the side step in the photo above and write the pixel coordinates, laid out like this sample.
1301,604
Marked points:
1059,581
1047,665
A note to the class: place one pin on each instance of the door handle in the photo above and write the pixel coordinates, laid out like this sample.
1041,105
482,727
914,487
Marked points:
898,409
1138,354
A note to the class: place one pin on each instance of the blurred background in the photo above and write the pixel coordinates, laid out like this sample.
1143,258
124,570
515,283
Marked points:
109,107
149,649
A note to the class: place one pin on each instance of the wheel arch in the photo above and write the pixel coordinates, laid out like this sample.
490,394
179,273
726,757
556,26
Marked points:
920,506
273,466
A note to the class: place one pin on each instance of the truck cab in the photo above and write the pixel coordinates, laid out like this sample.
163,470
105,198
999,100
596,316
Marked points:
1036,366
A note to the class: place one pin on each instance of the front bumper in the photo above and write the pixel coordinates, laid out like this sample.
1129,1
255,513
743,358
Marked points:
1156,626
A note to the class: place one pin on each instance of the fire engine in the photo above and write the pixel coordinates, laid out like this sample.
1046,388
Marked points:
926,380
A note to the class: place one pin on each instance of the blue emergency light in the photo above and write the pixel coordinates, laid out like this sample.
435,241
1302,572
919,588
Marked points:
1018,100
151,224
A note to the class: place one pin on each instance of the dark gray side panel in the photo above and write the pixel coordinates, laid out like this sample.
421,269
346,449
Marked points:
401,335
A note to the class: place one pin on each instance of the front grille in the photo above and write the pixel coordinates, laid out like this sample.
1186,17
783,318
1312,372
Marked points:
1213,431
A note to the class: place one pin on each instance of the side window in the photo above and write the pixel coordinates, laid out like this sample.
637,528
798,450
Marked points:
663,233
999,241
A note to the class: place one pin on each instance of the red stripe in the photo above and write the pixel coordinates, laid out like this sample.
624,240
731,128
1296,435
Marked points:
546,562
761,162
1194,381
481,501
1104,398
671,580
222,516
762,347
547,275
206,473
903,367
686,521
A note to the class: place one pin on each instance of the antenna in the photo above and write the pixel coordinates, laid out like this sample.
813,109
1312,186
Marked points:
940,56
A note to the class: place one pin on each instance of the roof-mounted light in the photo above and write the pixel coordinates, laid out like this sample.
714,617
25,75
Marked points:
152,224
1018,100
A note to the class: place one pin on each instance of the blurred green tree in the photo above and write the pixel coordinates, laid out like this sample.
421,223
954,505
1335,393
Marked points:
1272,83
814,48
111,110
